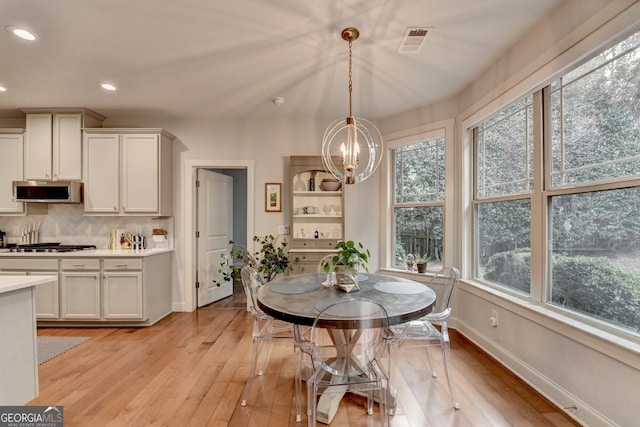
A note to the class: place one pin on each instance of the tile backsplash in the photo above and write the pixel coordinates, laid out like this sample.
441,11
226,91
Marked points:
67,224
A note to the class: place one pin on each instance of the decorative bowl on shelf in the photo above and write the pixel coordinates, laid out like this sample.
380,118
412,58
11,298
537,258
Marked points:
329,184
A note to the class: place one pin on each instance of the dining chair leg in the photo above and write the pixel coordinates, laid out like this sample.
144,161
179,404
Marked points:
434,373
392,375
446,361
258,349
298,379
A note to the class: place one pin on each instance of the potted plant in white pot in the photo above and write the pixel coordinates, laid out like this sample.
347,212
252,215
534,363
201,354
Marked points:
346,263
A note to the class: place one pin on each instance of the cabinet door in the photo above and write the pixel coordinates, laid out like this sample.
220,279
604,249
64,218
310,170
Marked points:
47,297
122,297
67,147
37,147
101,179
140,173
80,295
11,149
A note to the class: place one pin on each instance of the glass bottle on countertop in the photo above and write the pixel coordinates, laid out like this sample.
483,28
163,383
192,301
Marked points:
315,235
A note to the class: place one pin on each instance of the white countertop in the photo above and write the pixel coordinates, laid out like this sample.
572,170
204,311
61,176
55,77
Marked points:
91,253
13,283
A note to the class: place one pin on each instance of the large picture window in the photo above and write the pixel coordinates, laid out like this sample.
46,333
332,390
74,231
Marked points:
588,199
418,203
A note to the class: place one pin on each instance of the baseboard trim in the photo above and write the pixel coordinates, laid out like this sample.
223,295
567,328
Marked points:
561,398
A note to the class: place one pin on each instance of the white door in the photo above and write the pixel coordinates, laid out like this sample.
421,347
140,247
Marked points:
214,223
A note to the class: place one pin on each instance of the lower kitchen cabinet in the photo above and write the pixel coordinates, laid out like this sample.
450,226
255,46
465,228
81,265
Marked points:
127,290
80,288
47,299
122,289
80,294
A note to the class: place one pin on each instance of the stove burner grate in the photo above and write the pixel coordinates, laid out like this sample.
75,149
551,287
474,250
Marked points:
50,247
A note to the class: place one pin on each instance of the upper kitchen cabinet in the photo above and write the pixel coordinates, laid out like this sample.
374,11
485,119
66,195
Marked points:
53,142
128,172
11,153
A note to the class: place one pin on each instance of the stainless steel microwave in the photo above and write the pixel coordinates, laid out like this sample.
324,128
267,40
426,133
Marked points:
47,191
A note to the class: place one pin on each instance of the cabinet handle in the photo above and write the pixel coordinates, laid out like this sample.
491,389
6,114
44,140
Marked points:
55,176
95,277
115,208
121,265
78,265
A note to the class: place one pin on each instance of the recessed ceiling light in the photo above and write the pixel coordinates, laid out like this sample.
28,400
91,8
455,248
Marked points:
3,89
108,86
22,33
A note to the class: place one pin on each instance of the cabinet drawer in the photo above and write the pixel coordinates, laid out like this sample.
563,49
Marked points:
304,244
327,244
80,264
123,264
28,264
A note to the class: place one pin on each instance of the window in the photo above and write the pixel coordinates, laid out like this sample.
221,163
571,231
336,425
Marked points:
594,188
504,183
588,199
418,202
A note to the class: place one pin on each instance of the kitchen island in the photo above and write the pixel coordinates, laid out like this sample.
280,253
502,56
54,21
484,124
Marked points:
19,356
98,287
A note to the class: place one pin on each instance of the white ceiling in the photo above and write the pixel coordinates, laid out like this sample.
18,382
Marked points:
213,58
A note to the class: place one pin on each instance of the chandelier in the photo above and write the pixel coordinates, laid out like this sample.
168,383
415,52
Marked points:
344,138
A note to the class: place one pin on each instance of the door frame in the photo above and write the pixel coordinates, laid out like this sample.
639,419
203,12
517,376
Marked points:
189,212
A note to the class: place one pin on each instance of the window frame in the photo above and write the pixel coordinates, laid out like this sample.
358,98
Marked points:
442,129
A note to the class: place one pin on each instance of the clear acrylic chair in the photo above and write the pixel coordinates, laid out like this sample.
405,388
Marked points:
423,333
346,346
266,328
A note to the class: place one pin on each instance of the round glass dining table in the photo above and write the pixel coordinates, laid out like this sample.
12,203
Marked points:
299,298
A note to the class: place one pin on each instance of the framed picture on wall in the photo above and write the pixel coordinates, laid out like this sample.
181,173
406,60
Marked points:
273,197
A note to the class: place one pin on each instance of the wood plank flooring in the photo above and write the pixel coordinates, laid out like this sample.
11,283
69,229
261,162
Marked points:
190,369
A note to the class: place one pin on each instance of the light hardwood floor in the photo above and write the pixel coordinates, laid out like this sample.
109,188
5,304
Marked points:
190,369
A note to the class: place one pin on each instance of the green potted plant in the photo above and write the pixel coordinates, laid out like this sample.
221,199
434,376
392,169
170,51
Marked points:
346,263
421,264
270,260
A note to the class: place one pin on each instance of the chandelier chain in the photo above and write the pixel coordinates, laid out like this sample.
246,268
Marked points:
350,79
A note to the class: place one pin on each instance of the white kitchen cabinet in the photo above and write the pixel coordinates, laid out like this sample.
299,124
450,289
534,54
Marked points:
124,289
47,295
101,173
53,143
128,172
122,297
80,289
12,154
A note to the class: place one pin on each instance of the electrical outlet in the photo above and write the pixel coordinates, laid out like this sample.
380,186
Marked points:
493,319
283,229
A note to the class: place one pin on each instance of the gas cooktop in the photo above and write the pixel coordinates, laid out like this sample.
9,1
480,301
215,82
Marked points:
50,247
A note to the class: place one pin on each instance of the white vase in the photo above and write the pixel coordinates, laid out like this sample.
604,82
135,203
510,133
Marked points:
347,278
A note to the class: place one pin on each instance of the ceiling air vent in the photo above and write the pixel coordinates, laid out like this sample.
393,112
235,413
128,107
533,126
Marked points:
412,40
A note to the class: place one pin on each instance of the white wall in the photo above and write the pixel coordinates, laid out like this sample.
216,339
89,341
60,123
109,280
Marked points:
592,374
